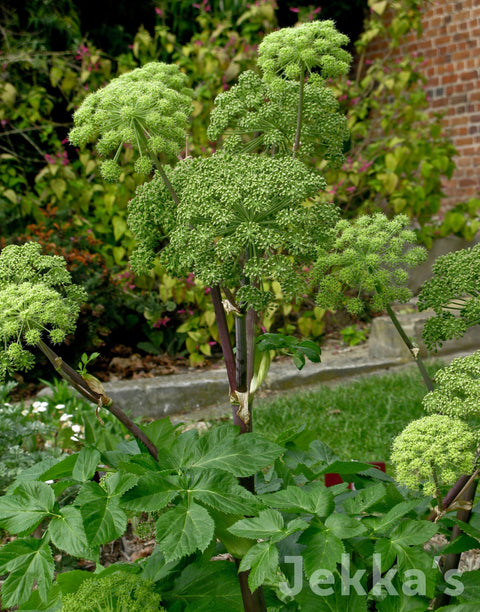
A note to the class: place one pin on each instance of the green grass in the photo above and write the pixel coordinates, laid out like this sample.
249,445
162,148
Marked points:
357,419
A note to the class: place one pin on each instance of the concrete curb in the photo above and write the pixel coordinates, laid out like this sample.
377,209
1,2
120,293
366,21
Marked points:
175,394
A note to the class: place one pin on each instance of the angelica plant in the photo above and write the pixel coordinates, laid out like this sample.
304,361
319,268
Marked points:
453,294
235,219
371,255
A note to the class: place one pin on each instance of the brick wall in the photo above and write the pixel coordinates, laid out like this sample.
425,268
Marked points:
450,45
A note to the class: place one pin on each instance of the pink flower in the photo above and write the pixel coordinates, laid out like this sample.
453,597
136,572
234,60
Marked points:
212,343
351,189
295,10
161,322
159,11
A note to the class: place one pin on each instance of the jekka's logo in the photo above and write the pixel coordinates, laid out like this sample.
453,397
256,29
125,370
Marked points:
322,582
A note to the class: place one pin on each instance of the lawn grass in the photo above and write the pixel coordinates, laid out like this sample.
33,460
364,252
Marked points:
357,419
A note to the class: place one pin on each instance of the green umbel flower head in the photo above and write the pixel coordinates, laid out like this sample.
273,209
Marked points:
240,217
368,255
147,108
291,52
457,391
266,114
36,297
433,448
116,592
454,294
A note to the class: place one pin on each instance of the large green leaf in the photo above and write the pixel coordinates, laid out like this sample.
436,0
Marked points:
409,532
262,561
183,530
27,561
321,601
323,548
313,500
466,607
86,464
417,562
30,503
384,523
160,432
213,583
365,499
103,519
345,467
344,526
242,455
267,524
467,528
67,533
221,491
387,552
153,492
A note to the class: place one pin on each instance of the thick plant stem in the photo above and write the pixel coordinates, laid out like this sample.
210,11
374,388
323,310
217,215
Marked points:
252,602
93,395
224,334
421,366
452,560
241,415
296,144
451,495
251,335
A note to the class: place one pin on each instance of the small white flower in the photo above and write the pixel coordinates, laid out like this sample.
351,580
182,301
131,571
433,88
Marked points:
7,405
60,406
66,417
76,428
40,408
49,482
74,439
25,412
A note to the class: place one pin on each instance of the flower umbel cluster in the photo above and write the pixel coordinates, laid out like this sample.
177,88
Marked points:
293,51
457,393
147,108
433,450
454,294
36,297
241,217
254,114
368,255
